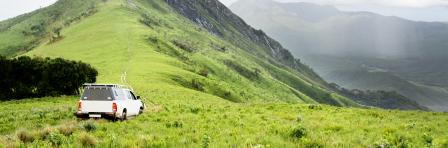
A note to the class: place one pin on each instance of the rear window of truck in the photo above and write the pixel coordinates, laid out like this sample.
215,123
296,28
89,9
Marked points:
99,94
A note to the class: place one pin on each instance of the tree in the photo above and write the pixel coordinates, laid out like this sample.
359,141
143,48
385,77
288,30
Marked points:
26,77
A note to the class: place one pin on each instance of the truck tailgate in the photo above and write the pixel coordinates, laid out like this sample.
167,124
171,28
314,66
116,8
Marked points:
96,106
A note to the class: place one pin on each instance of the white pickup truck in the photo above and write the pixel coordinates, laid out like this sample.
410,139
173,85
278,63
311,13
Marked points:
108,101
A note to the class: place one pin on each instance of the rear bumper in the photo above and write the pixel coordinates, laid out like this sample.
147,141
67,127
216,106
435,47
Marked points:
111,115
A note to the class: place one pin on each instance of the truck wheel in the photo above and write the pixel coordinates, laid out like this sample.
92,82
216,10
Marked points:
114,118
141,110
124,115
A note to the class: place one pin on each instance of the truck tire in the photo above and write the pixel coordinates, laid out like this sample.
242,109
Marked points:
124,115
114,118
140,111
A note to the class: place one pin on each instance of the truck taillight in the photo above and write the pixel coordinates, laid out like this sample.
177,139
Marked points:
114,107
79,106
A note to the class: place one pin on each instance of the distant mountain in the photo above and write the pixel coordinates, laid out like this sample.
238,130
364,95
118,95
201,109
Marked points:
338,45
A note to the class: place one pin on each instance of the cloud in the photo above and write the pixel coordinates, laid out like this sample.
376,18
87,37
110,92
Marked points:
387,3
418,10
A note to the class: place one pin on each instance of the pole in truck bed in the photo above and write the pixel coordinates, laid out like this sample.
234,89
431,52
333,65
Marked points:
92,85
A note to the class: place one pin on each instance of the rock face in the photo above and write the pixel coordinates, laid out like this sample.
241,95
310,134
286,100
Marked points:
219,20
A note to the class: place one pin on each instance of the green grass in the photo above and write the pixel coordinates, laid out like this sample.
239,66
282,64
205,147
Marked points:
227,108
186,119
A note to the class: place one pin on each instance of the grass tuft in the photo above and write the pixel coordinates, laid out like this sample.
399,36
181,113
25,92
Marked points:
67,130
87,140
26,136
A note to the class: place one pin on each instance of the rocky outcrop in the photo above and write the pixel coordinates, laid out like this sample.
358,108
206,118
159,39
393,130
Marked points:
219,20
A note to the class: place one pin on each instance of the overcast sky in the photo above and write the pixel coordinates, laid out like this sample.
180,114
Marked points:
420,10
399,3
11,8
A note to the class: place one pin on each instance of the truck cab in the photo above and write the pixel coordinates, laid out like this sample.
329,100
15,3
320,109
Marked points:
108,101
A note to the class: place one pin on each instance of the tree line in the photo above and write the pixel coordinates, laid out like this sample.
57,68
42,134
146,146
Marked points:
26,77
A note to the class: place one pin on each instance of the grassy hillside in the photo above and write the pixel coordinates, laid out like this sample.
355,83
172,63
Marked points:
152,44
200,91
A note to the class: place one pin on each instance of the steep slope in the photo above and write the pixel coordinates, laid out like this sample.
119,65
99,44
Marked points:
335,42
186,76
219,20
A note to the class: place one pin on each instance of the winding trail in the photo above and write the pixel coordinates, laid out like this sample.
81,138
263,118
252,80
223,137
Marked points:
129,54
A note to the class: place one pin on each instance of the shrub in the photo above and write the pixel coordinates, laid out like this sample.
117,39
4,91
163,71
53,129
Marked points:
298,132
26,136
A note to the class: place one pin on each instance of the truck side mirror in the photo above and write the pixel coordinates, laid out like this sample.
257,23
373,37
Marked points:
138,97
